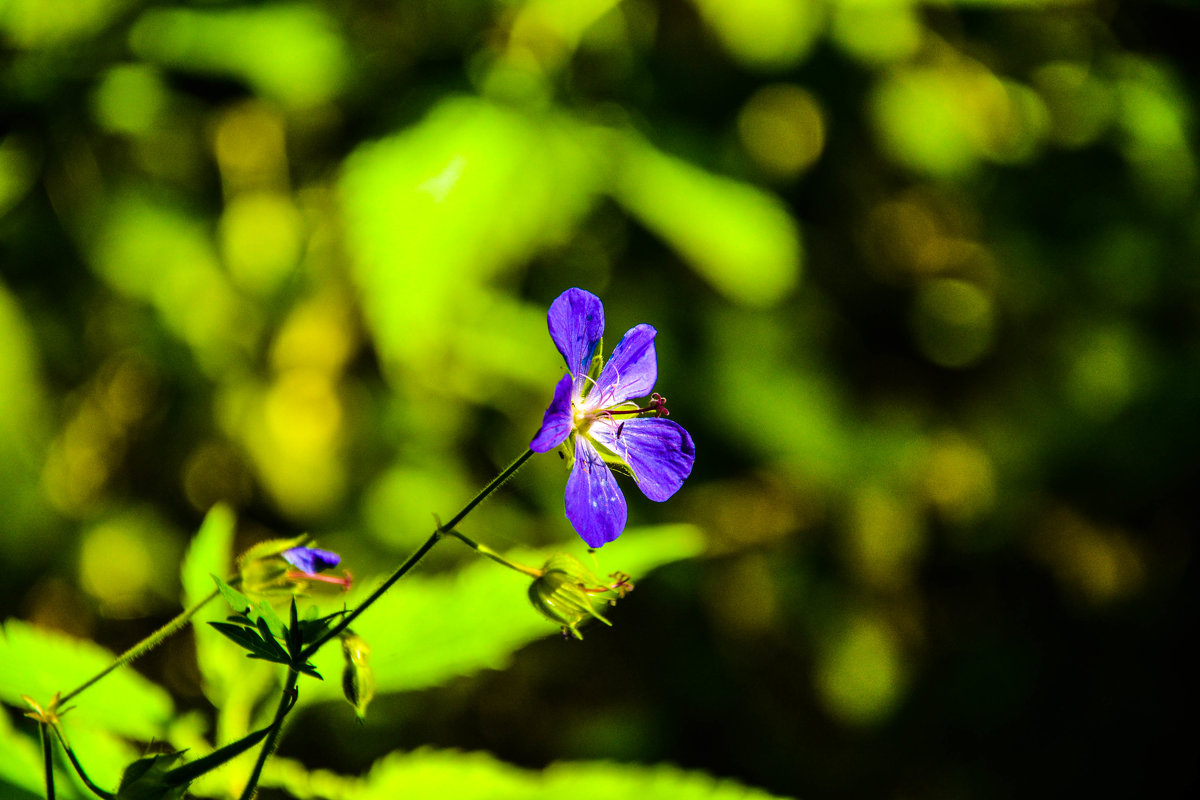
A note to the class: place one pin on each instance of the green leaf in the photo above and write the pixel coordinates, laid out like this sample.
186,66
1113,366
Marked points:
229,681
146,779
267,616
288,52
445,176
427,630
236,600
39,663
251,640
210,554
478,776
21,766
739,238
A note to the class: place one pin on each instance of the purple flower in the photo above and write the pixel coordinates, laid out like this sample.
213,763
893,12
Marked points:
592,412
311,559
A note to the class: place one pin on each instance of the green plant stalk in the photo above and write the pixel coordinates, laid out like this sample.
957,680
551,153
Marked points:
286,701
181,776
488,552
416,557
96,790
47,761
150,642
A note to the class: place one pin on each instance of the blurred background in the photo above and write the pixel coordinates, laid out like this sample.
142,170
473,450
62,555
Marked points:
926,282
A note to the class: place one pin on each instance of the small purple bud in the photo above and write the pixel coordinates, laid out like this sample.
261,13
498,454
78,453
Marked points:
311,559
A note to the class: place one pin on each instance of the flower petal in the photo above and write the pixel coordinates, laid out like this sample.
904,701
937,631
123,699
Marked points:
631,370
659,452
556,424
311,559
576,322
595,504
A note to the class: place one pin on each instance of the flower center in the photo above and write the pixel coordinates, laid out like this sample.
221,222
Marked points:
583,419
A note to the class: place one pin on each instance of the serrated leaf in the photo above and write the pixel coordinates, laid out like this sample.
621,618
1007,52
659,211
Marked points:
251,640
479,776
427,630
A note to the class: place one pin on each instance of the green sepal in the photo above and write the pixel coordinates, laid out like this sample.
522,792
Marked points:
358,679
270,548
561,595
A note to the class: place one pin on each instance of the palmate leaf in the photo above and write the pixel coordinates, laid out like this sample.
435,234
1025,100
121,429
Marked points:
427,630
478,776
252,640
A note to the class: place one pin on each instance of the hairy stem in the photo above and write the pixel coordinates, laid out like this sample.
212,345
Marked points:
416,557
484,550
47,761
144,645
286,701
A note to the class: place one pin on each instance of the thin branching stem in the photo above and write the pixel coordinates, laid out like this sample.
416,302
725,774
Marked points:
286,701
47,760
488,552
416,557
96,790
151,641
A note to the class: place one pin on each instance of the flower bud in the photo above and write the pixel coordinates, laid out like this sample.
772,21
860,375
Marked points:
358,679
290,567
569,594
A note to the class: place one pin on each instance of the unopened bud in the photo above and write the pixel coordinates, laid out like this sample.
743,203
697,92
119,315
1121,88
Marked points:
569,594
358,679
290,567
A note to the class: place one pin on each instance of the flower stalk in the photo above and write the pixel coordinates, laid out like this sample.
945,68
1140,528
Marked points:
420,553
145,645
286,701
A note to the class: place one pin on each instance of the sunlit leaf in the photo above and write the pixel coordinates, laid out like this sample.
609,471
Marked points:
39,663
429,196
740,239
288,52
21,767
427,630
478,776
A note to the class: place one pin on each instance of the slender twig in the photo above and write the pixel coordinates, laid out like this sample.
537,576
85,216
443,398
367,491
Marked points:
496,483
141,647
47,761
181,776
416,557
96,790
484,550
286,701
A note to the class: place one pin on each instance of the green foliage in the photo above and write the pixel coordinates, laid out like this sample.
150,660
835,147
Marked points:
477,776
923,276
21,767
256,628
430,629
39,663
